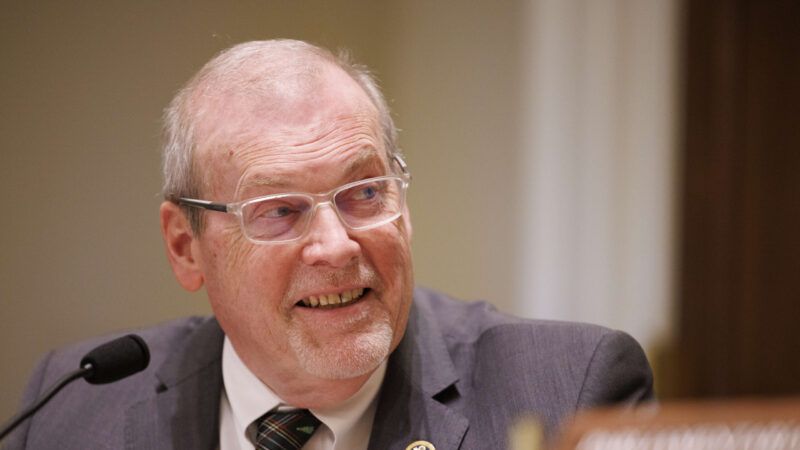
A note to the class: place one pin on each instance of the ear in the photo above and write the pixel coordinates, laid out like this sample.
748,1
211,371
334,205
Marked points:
180,243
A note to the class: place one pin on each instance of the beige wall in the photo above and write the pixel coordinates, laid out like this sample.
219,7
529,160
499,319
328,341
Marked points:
83,85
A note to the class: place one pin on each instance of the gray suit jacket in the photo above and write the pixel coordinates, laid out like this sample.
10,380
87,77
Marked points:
461,375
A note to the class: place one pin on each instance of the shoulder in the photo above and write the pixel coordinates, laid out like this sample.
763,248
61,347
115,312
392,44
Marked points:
478,322
549,368
176,349
161,340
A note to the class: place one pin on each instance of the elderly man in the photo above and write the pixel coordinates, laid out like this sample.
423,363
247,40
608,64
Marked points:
285,199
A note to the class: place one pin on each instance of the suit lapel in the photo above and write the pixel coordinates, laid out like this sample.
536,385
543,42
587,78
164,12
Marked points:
419,385
183,411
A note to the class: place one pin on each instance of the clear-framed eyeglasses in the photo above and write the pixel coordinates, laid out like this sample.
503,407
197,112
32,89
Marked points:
281,218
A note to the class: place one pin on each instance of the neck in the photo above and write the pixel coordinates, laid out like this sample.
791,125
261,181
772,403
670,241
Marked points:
315,393
303,390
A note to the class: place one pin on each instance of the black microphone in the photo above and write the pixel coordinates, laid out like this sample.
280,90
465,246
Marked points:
116,359
107,363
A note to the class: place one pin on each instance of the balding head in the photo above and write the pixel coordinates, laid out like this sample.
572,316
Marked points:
267,79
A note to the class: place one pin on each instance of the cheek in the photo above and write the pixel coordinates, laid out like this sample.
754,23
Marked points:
224,258
259,275
239,255
393,261
390,252
233,272
402,232
246,290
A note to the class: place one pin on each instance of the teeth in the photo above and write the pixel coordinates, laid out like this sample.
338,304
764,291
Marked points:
333,299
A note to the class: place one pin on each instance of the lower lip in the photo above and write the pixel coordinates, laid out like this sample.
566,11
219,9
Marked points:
331,325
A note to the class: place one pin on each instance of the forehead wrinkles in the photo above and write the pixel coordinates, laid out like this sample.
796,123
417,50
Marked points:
307,140
256,161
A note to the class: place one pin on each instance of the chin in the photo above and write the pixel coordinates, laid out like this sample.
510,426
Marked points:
351,357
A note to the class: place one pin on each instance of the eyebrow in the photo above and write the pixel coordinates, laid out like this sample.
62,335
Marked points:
265,181
367,157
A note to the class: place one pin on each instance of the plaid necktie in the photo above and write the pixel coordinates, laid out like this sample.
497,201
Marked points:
285,430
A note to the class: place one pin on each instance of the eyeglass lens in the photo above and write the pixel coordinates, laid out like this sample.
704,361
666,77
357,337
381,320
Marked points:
362,205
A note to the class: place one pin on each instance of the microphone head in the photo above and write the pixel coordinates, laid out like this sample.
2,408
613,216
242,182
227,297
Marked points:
116,359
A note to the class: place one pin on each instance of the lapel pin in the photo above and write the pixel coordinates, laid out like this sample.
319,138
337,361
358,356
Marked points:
420,445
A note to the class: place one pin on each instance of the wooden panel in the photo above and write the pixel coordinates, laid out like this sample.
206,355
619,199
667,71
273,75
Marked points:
740,262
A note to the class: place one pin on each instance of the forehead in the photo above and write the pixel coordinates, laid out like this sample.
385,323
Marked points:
282,140
290,175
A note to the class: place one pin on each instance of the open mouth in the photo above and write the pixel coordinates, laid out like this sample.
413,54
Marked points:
333,300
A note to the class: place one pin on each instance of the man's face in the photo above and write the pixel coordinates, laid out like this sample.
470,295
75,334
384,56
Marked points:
307,142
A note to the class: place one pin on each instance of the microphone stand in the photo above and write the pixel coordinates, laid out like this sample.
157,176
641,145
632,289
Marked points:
63,381
106,363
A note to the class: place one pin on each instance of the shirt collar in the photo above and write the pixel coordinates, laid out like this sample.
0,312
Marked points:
249,399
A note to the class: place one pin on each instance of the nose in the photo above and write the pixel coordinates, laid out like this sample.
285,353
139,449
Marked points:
328,242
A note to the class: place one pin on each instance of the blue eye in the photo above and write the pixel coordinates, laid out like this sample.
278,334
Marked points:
281,211
368,193
274,210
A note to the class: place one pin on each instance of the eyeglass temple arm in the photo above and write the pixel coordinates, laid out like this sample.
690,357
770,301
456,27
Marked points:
403,166
203,204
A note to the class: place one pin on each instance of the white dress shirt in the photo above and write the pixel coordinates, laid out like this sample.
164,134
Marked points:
245,398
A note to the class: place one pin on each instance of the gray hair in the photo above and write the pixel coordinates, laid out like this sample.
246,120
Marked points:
234,69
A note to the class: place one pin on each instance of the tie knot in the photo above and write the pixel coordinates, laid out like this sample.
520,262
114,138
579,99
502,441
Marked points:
287,430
